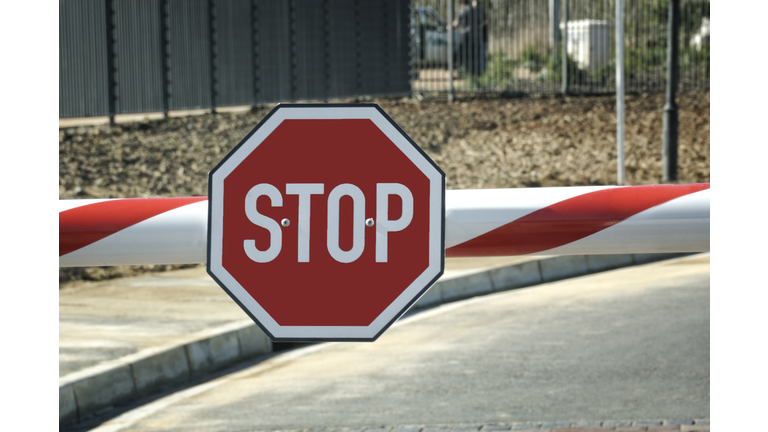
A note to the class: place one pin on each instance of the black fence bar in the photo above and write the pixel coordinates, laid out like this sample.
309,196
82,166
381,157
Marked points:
670,125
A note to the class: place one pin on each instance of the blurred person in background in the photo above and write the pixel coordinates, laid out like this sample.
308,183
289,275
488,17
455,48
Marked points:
473,25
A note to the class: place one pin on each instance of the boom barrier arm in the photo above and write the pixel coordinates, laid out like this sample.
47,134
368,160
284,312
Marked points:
480,222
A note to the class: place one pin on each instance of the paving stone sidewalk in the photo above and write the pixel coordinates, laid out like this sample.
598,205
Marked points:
659,425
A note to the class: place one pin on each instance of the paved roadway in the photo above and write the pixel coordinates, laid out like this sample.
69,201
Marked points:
625,344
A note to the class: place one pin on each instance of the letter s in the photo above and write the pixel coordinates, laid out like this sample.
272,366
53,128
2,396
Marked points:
275,232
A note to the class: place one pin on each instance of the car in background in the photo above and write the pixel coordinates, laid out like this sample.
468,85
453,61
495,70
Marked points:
429,33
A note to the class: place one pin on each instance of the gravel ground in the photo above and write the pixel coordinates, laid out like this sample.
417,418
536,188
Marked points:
478,142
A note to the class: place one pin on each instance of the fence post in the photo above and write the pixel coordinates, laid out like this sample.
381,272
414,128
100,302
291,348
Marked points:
449,17
212,46
669,139
255,50
111,71
564,47
165,52
554,21
294,50
620,92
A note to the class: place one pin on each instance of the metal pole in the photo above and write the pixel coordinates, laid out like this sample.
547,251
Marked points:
213,49
111,64
165,65
564,47
669,138
450,51
554,21
620,92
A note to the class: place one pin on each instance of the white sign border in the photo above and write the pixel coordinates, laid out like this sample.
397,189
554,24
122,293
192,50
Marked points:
436,215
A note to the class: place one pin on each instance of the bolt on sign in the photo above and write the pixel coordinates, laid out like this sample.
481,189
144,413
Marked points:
326,223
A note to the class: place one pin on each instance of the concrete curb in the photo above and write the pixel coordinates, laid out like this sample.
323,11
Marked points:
92,390
528,274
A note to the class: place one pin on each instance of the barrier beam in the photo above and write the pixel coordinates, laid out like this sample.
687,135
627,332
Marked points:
478,222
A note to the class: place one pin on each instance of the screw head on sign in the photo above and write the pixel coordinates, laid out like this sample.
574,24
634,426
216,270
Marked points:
285,222
369,222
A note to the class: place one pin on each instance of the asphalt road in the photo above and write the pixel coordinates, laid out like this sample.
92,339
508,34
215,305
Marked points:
626,344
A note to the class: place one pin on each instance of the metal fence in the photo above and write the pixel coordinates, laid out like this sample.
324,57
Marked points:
131,56
523,47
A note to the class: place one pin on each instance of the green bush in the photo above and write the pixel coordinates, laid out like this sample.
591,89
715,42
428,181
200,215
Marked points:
693,59
532,59
644,60
502,69
555,69
500,72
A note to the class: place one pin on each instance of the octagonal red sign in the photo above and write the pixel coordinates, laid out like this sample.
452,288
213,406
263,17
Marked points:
326,222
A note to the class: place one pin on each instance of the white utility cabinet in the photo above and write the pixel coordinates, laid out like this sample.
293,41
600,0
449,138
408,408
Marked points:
589,43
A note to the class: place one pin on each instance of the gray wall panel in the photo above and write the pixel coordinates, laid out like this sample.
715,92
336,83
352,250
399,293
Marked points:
138,56
274,36
83,65
189,55
344,38
234,52
400,45
373,47
311,50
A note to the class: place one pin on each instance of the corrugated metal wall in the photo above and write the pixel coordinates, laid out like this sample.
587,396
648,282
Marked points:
129,56
374,19
138,29
311,49
233,52
275,48
83,66
189,55
344,53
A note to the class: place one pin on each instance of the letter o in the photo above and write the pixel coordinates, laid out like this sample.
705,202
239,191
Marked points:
358,223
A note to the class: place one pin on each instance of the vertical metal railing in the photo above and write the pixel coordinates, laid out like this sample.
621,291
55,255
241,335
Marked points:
564,46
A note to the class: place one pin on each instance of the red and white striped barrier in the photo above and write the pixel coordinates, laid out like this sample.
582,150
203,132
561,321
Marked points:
485,222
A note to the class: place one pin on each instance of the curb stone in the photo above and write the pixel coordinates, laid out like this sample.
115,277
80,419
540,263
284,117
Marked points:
93,390
527,274
87,392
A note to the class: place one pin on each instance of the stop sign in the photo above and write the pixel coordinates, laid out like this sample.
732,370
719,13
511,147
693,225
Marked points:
326,222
